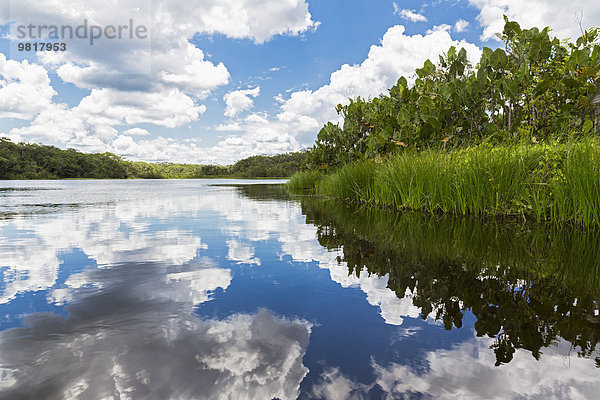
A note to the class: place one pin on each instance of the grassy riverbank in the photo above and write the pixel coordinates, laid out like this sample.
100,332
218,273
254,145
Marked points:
558,182
516,134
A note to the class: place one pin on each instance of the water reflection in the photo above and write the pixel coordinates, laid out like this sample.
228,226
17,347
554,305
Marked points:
137,337
29,256
528,288
179,289
467,371
130,329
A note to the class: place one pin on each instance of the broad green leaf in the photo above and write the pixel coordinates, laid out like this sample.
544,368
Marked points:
578,58
445,92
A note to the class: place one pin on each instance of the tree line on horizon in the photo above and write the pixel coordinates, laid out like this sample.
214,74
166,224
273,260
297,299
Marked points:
36,161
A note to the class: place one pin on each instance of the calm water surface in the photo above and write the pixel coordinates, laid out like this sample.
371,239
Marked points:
232,290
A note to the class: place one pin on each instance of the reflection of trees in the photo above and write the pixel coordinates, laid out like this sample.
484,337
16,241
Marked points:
527,286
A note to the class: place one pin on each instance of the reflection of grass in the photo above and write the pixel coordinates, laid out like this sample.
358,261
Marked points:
262,191
35,209
566,254
544,182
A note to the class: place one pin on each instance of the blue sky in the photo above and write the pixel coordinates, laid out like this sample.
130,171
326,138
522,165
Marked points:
347,31
221,80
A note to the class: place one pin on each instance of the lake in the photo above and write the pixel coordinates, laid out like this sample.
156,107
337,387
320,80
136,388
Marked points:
224,289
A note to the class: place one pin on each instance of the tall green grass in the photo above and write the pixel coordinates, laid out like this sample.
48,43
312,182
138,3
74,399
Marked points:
481,180
352,182
558,182
304,180
576,188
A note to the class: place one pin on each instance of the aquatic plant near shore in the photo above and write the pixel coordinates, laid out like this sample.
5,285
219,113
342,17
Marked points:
352,182
304,180
558,182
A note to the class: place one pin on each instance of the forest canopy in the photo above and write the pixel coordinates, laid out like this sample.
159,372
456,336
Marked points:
36,161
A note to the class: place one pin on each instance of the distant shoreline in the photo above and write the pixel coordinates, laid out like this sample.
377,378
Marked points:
254,178
26,161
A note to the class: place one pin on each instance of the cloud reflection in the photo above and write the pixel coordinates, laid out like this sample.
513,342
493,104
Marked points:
255,221
134,336
127,232
29,253
467,371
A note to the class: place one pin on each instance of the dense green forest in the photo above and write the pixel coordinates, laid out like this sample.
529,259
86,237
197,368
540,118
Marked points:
35,161
281,165
516,134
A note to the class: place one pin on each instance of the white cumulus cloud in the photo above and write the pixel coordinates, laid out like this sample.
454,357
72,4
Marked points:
562,16
25,89
397,55
130,82
461,25
239,100
136,132
410,15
